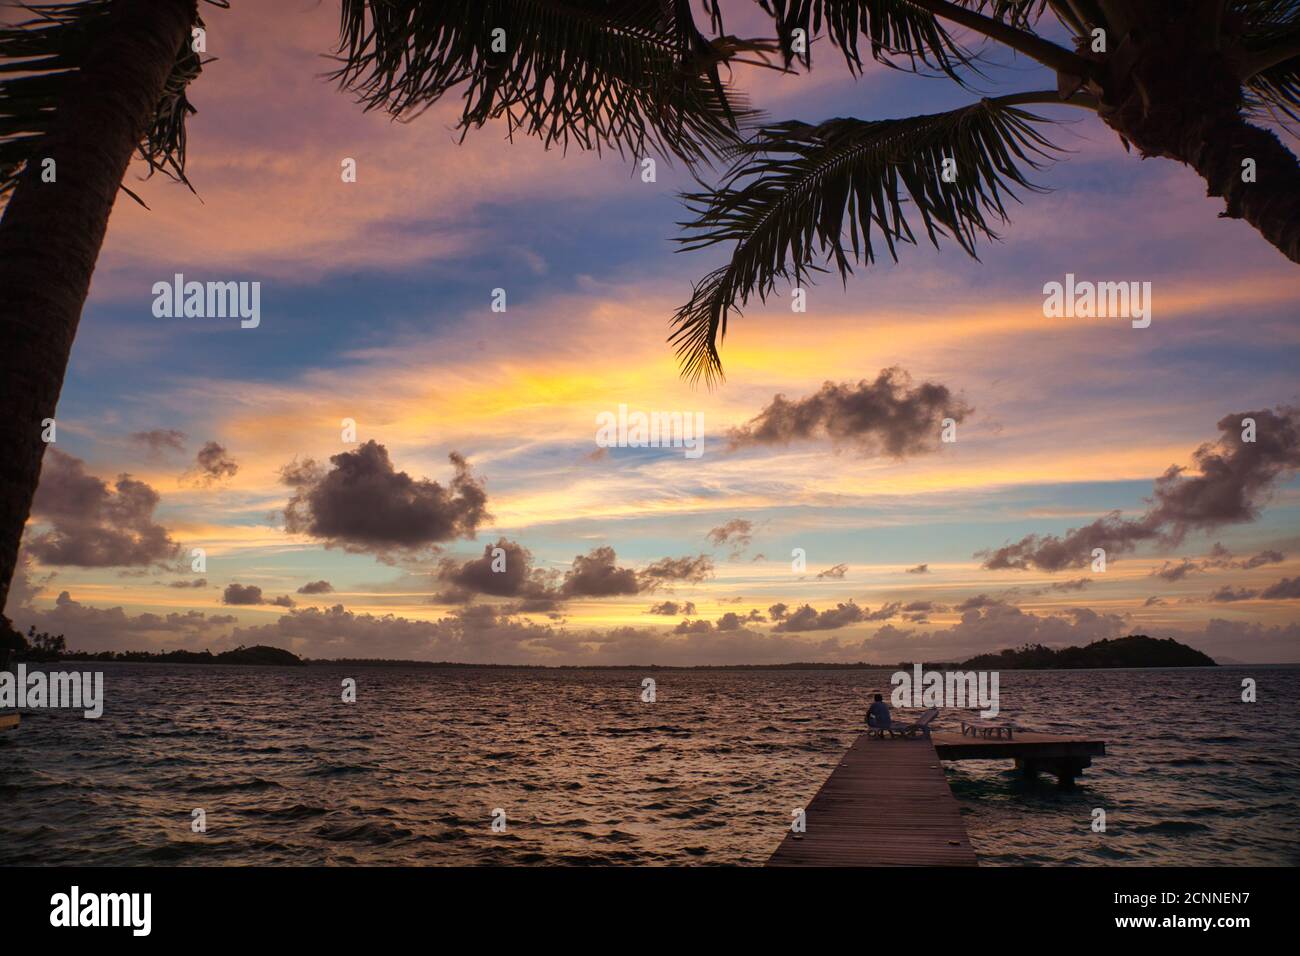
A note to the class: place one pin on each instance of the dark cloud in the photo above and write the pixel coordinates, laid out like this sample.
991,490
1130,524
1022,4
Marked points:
159,439
250,594
1176,572
673,608
922,606
1234,479
694,627
364,505
316,587
517,576
1154,601
732,621
1285,590
737,532
1113,533
196,583
836,571
1227,594
1219,558
919,569
211,465
808,619
598,575
91,525
980,601
242,594
885,612
676,569
887,416
777,612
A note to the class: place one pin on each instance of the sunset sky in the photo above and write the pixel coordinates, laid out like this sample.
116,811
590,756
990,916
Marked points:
376,306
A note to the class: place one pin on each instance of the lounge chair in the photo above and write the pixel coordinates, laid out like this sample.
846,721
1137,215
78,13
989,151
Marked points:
906,728
978,727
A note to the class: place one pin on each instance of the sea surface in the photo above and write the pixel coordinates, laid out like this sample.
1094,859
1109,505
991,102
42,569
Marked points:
588,773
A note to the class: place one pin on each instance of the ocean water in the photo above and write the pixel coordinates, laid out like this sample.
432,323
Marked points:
586,773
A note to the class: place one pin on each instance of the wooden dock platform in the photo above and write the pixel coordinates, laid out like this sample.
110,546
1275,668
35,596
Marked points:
8,721
887,803
1066,757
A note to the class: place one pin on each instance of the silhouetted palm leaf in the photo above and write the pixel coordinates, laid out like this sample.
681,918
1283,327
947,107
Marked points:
1273,25
1019,13
631,75
797,191
40,57
893,28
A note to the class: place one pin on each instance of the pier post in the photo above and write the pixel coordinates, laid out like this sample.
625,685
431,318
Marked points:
1065,769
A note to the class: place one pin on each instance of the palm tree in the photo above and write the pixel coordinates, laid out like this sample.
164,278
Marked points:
82,87
85,85
1180,79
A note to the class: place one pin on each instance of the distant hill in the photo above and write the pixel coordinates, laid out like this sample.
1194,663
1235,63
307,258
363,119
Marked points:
1137,650
257,654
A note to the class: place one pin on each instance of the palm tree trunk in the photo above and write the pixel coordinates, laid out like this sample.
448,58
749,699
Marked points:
52,231
1177,96
1271,203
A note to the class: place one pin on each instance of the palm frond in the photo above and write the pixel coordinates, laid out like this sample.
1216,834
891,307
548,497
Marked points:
797,192
894,29
630,75
1019,13
1271,31
40,59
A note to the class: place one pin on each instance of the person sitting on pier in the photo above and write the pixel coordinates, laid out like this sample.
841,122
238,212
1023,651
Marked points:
878,717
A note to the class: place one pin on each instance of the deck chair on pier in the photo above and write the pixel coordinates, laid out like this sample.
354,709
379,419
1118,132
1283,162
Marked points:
913,727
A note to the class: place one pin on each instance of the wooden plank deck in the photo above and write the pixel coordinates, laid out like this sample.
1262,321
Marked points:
886,804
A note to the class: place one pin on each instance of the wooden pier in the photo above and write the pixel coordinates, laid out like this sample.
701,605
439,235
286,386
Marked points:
887,803
1065,757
